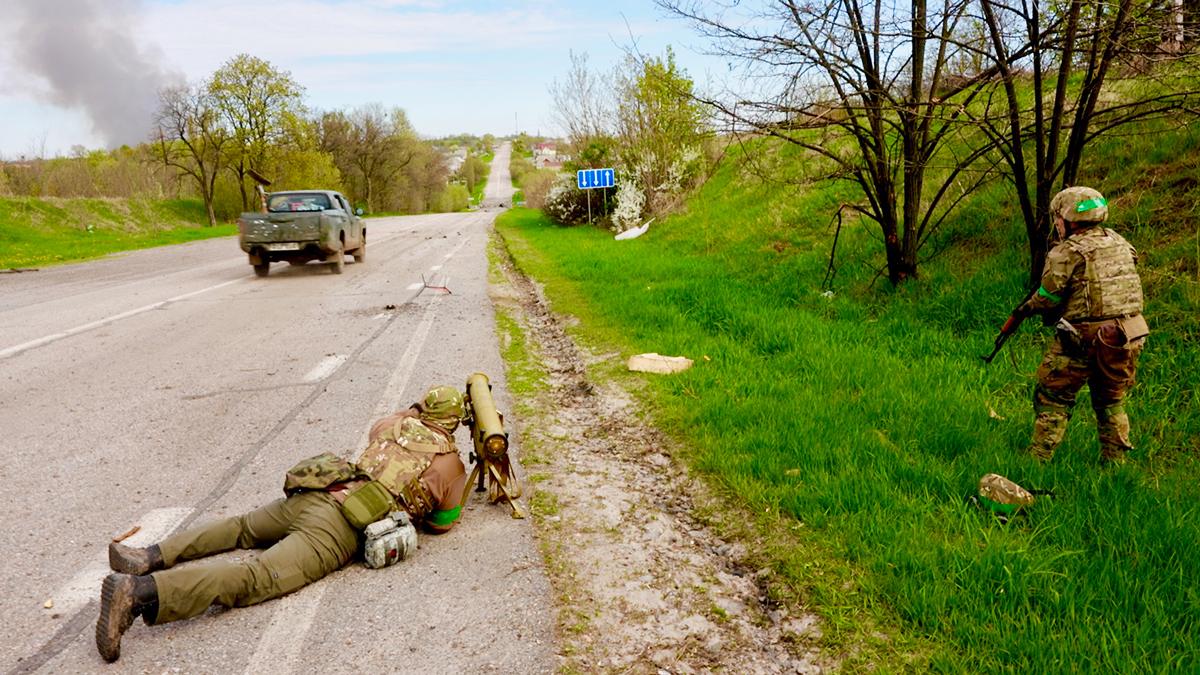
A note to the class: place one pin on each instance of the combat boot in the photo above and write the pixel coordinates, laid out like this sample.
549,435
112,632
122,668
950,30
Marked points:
123,598
135,561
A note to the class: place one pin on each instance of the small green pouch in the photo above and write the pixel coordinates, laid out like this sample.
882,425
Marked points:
367,503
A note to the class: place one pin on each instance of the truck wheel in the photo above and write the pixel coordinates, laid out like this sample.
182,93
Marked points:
339,258
261,270
360,254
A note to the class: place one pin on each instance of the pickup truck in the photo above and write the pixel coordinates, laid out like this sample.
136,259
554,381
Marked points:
300,226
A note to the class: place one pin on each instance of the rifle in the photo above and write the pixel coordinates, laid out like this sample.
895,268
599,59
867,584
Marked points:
1010,326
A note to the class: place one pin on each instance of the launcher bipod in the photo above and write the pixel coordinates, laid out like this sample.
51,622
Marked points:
489,452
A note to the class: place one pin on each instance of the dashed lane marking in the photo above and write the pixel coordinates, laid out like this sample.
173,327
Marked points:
325,368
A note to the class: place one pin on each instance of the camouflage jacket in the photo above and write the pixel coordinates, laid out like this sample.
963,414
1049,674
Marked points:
1091,275
402,448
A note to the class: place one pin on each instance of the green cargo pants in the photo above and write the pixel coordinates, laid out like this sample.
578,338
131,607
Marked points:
307,536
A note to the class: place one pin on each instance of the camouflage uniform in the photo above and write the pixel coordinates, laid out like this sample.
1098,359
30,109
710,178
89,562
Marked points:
1091,281
306,532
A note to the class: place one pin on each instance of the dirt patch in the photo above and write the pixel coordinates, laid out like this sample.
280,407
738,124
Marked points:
644,584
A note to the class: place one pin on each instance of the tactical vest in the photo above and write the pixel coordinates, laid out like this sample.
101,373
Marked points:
397,458
1111,286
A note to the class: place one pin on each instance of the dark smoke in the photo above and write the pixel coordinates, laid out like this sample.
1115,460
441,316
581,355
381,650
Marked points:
87,53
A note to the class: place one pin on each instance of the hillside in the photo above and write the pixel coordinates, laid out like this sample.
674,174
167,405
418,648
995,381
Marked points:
864,415
37,232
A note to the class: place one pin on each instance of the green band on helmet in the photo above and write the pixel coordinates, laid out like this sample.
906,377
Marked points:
1048,295
997,507
1089,204
444,518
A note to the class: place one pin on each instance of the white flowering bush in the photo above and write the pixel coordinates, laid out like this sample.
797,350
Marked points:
565,203
631,203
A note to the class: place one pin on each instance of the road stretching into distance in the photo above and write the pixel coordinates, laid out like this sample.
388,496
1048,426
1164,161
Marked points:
167,387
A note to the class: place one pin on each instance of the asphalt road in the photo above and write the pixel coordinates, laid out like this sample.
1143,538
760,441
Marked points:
167,387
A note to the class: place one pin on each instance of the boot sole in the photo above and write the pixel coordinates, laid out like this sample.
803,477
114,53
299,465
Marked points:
116,615
122,564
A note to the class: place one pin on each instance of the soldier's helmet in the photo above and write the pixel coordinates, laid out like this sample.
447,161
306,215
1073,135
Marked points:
443,406
1080,205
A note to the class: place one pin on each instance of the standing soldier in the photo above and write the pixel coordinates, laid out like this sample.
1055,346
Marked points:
1091,293
411,462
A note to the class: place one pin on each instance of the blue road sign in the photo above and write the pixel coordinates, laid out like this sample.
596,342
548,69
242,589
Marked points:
590,179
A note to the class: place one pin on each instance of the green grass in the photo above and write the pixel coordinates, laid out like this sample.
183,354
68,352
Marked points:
39,232
863,419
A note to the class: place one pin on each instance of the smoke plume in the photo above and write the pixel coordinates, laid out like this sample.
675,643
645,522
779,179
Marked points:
87,54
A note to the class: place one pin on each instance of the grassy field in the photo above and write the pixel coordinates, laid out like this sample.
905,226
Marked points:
855,422
39,232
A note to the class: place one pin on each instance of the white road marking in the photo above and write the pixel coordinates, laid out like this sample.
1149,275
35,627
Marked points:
25,346
280,642
325,368
85,585
435,268
415,286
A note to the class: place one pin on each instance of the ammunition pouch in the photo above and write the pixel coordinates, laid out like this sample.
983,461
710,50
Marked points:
415,498
366,504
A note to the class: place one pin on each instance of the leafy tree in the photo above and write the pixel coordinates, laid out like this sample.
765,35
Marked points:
257,102
661,129
370,145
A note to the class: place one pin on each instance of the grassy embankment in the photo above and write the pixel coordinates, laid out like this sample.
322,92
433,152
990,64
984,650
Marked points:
39,232
854,425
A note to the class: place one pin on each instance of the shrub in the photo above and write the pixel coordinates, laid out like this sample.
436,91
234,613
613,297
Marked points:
536,186
565,203
631,202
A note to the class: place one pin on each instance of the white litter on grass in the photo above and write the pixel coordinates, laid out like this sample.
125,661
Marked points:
657,363
634,233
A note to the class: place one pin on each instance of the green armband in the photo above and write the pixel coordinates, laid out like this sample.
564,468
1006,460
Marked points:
1048,295
445,518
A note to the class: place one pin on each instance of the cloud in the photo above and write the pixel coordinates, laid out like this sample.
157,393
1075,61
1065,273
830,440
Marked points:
84,54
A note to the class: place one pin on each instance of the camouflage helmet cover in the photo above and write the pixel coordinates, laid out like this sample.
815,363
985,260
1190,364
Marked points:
1001,495
442,405
1080,205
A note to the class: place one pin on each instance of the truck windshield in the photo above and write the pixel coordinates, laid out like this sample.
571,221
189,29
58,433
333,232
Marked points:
279,203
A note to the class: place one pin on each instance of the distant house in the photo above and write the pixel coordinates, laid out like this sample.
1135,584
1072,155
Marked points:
455,159
545,156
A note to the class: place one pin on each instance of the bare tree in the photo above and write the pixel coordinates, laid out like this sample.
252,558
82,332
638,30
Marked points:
865,87
191,138
581,104
1093,67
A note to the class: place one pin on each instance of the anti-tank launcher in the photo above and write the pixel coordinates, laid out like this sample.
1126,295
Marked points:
489,452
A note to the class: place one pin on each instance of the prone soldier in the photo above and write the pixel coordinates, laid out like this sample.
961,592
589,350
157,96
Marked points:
411,462
1090,291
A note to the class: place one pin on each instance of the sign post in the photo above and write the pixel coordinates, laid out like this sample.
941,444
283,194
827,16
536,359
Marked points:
591,179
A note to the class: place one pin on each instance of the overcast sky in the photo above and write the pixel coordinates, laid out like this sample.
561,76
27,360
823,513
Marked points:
85,72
